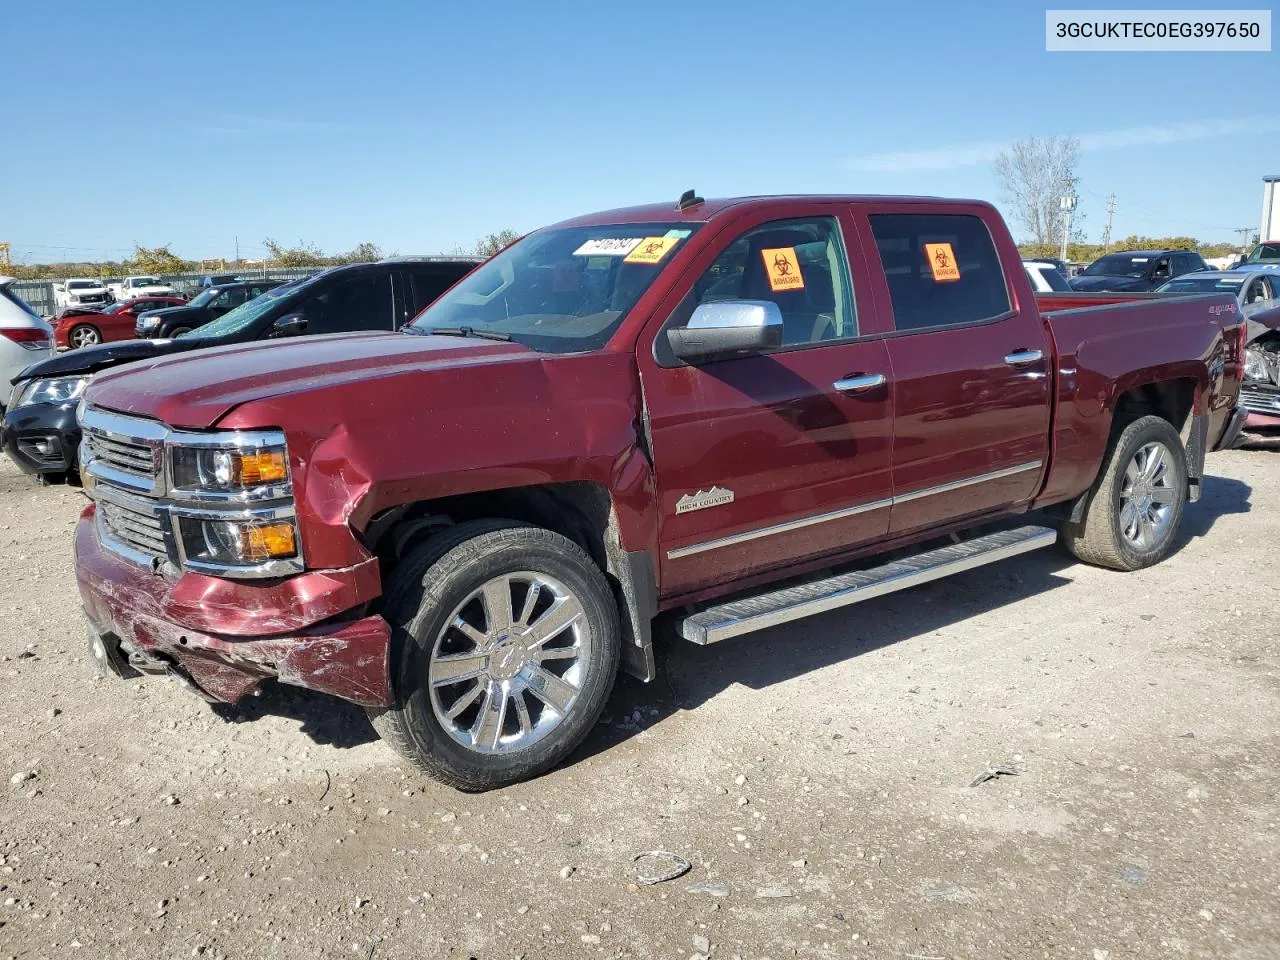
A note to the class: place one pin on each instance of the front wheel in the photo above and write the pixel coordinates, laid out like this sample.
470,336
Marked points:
1137,501
505,647
179,331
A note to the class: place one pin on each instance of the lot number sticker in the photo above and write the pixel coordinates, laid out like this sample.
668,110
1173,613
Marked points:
608,247
783,268
652,250
942,261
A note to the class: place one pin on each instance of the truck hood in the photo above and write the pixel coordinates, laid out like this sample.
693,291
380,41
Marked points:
198,390
93,359
1109,283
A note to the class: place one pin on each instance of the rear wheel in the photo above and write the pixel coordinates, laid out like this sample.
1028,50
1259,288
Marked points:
84,335
506,645
1136,505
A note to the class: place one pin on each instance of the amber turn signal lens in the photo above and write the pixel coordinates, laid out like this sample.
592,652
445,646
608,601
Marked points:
270,541
254,469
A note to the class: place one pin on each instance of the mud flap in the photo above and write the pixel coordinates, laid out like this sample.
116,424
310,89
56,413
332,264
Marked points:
1197,444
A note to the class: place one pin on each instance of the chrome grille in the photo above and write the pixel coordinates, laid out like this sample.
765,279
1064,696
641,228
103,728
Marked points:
138,459
1259,399
135,525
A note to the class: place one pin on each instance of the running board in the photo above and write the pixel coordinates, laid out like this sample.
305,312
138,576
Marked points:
791,603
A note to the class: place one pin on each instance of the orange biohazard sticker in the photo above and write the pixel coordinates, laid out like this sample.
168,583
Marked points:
942,261
652,250
783,268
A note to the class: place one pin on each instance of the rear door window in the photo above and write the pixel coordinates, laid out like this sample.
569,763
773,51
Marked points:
352,303
942,269
426,285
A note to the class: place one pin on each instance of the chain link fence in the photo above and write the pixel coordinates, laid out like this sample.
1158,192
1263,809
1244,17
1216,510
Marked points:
39,293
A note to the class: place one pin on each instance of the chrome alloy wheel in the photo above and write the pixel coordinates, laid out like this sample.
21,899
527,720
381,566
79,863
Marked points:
510,662
1147,496
84,337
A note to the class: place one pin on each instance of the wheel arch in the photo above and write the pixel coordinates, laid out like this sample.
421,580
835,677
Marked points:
581,510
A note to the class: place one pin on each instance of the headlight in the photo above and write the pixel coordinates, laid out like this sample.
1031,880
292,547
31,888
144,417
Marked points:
146,323
52,390
230,494
233,466
236,543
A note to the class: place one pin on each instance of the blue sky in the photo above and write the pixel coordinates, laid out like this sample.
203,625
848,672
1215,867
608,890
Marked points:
424,125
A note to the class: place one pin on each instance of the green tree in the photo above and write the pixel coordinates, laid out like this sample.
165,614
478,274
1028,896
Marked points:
360,253
494,242
157,260
303,255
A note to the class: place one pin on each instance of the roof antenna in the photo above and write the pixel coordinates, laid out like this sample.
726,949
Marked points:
688,199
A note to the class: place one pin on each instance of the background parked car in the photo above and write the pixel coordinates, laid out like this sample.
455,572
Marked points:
1137,270
86,328
79,292
1263,253
130,288
218,280
24,337
1045,277
40,432
1255,290
209,304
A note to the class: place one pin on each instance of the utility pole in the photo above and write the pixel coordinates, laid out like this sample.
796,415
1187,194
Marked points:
1106,234
237,251
1066,205
1244,238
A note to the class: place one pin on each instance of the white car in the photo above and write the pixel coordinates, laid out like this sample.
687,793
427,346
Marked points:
24,337
1045,277
80,292
131,288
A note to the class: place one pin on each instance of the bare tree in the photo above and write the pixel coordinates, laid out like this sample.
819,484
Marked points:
1034,175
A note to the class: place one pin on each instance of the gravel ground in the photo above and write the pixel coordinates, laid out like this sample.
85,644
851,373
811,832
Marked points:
816,777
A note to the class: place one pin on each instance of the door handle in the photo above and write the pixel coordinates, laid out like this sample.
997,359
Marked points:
860,383
1023,358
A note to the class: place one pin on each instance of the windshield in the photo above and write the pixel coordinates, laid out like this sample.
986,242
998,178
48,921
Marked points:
1120,265
560,291
143,282
114,307
233,321
203,298
1201,285
82,284
1264,253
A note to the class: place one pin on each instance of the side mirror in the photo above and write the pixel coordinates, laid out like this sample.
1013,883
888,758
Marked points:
290,325
727,328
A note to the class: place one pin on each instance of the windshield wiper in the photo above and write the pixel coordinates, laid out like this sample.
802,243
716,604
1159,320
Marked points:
469,332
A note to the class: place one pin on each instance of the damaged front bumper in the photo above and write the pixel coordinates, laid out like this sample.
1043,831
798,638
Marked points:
226,637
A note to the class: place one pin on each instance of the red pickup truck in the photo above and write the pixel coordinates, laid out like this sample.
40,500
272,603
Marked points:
735,412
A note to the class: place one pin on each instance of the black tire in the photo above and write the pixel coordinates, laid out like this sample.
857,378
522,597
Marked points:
423,593
1099,538
88,335
179,331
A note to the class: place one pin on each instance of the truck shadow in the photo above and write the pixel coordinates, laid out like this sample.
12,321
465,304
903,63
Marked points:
689,675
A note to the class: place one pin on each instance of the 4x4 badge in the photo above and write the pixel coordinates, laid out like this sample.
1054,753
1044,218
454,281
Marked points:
715,497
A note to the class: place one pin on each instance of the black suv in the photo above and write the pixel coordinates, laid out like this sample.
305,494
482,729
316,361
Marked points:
209,304
40,433
1137,271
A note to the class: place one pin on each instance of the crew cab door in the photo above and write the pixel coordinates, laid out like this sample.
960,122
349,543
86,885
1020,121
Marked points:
970,364
768,459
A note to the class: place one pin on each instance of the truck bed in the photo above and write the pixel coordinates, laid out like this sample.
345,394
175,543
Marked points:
1193,340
